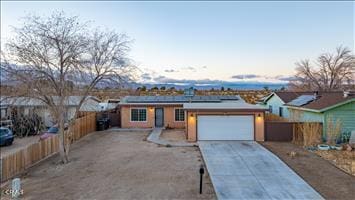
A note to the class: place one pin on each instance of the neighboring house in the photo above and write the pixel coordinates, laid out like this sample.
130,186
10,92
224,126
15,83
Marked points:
109,104
275,102
26,106
203,117
327,107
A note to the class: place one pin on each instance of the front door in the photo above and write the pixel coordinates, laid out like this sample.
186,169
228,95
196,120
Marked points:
159,117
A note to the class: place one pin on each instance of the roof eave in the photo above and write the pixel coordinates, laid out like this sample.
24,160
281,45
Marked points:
268,97
303,109
323,109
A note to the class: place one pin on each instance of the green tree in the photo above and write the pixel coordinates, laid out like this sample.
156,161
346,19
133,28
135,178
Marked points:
143,88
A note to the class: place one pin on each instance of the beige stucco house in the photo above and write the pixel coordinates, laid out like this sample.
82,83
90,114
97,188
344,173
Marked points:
203,117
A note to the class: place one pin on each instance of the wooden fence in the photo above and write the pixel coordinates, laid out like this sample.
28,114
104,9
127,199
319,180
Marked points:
19,161
279,131
290,131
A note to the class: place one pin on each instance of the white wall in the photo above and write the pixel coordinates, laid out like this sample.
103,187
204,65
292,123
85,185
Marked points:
276,103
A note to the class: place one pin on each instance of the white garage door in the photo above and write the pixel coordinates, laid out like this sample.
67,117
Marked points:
220,127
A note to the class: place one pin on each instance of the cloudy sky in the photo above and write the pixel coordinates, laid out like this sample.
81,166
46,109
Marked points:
211,41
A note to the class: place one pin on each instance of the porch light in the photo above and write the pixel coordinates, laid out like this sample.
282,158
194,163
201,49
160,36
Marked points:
259,116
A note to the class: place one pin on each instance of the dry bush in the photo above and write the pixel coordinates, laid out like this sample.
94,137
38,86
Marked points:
333,130
312,133
297,137
273,117
307,134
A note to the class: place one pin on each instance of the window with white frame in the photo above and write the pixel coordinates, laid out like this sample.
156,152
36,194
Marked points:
138,114
179,115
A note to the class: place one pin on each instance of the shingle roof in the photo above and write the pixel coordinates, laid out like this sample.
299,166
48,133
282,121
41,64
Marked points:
178,99
28,101
327,99
289,96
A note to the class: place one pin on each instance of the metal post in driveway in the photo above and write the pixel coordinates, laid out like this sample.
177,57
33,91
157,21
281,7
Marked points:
202,171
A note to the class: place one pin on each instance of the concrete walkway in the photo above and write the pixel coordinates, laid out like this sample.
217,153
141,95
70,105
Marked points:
155,138
246,170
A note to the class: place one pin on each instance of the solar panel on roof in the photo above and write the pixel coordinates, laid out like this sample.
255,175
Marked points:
301,100
180,99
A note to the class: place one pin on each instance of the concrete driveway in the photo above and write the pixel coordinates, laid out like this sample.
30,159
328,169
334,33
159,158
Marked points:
246,170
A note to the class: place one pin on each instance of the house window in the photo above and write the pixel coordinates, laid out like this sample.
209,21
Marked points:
138,115
280,111
270,109
179,115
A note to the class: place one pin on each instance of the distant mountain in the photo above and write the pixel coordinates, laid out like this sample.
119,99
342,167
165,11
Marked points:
226,85
205,84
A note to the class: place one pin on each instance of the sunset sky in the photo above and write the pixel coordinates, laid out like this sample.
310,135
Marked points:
204,41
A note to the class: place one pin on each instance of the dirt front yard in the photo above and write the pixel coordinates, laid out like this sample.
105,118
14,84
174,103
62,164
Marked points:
330,181
119,165
174,135
345,160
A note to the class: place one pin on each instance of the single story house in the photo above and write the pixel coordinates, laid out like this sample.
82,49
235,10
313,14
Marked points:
203,117
26,106
326,107
109,104
275,102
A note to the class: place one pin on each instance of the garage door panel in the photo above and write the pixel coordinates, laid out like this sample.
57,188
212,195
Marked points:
220,127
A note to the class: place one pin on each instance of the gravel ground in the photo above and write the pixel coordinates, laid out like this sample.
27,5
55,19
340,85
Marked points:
345,160
119,165
330,181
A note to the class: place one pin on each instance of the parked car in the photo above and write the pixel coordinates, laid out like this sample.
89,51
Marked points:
6,136
51,131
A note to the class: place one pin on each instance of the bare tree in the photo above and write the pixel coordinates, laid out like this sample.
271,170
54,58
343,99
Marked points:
331,72
52,58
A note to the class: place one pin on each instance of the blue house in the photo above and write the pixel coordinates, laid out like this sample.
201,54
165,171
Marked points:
328,107
276,101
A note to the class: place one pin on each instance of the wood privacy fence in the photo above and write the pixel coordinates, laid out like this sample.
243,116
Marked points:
291,131
19,161
278,131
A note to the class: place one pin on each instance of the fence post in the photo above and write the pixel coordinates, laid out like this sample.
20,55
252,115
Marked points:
1,170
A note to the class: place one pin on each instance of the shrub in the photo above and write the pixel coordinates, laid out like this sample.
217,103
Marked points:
312,133
333,130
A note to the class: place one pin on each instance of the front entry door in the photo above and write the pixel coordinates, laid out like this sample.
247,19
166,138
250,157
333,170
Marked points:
159,117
